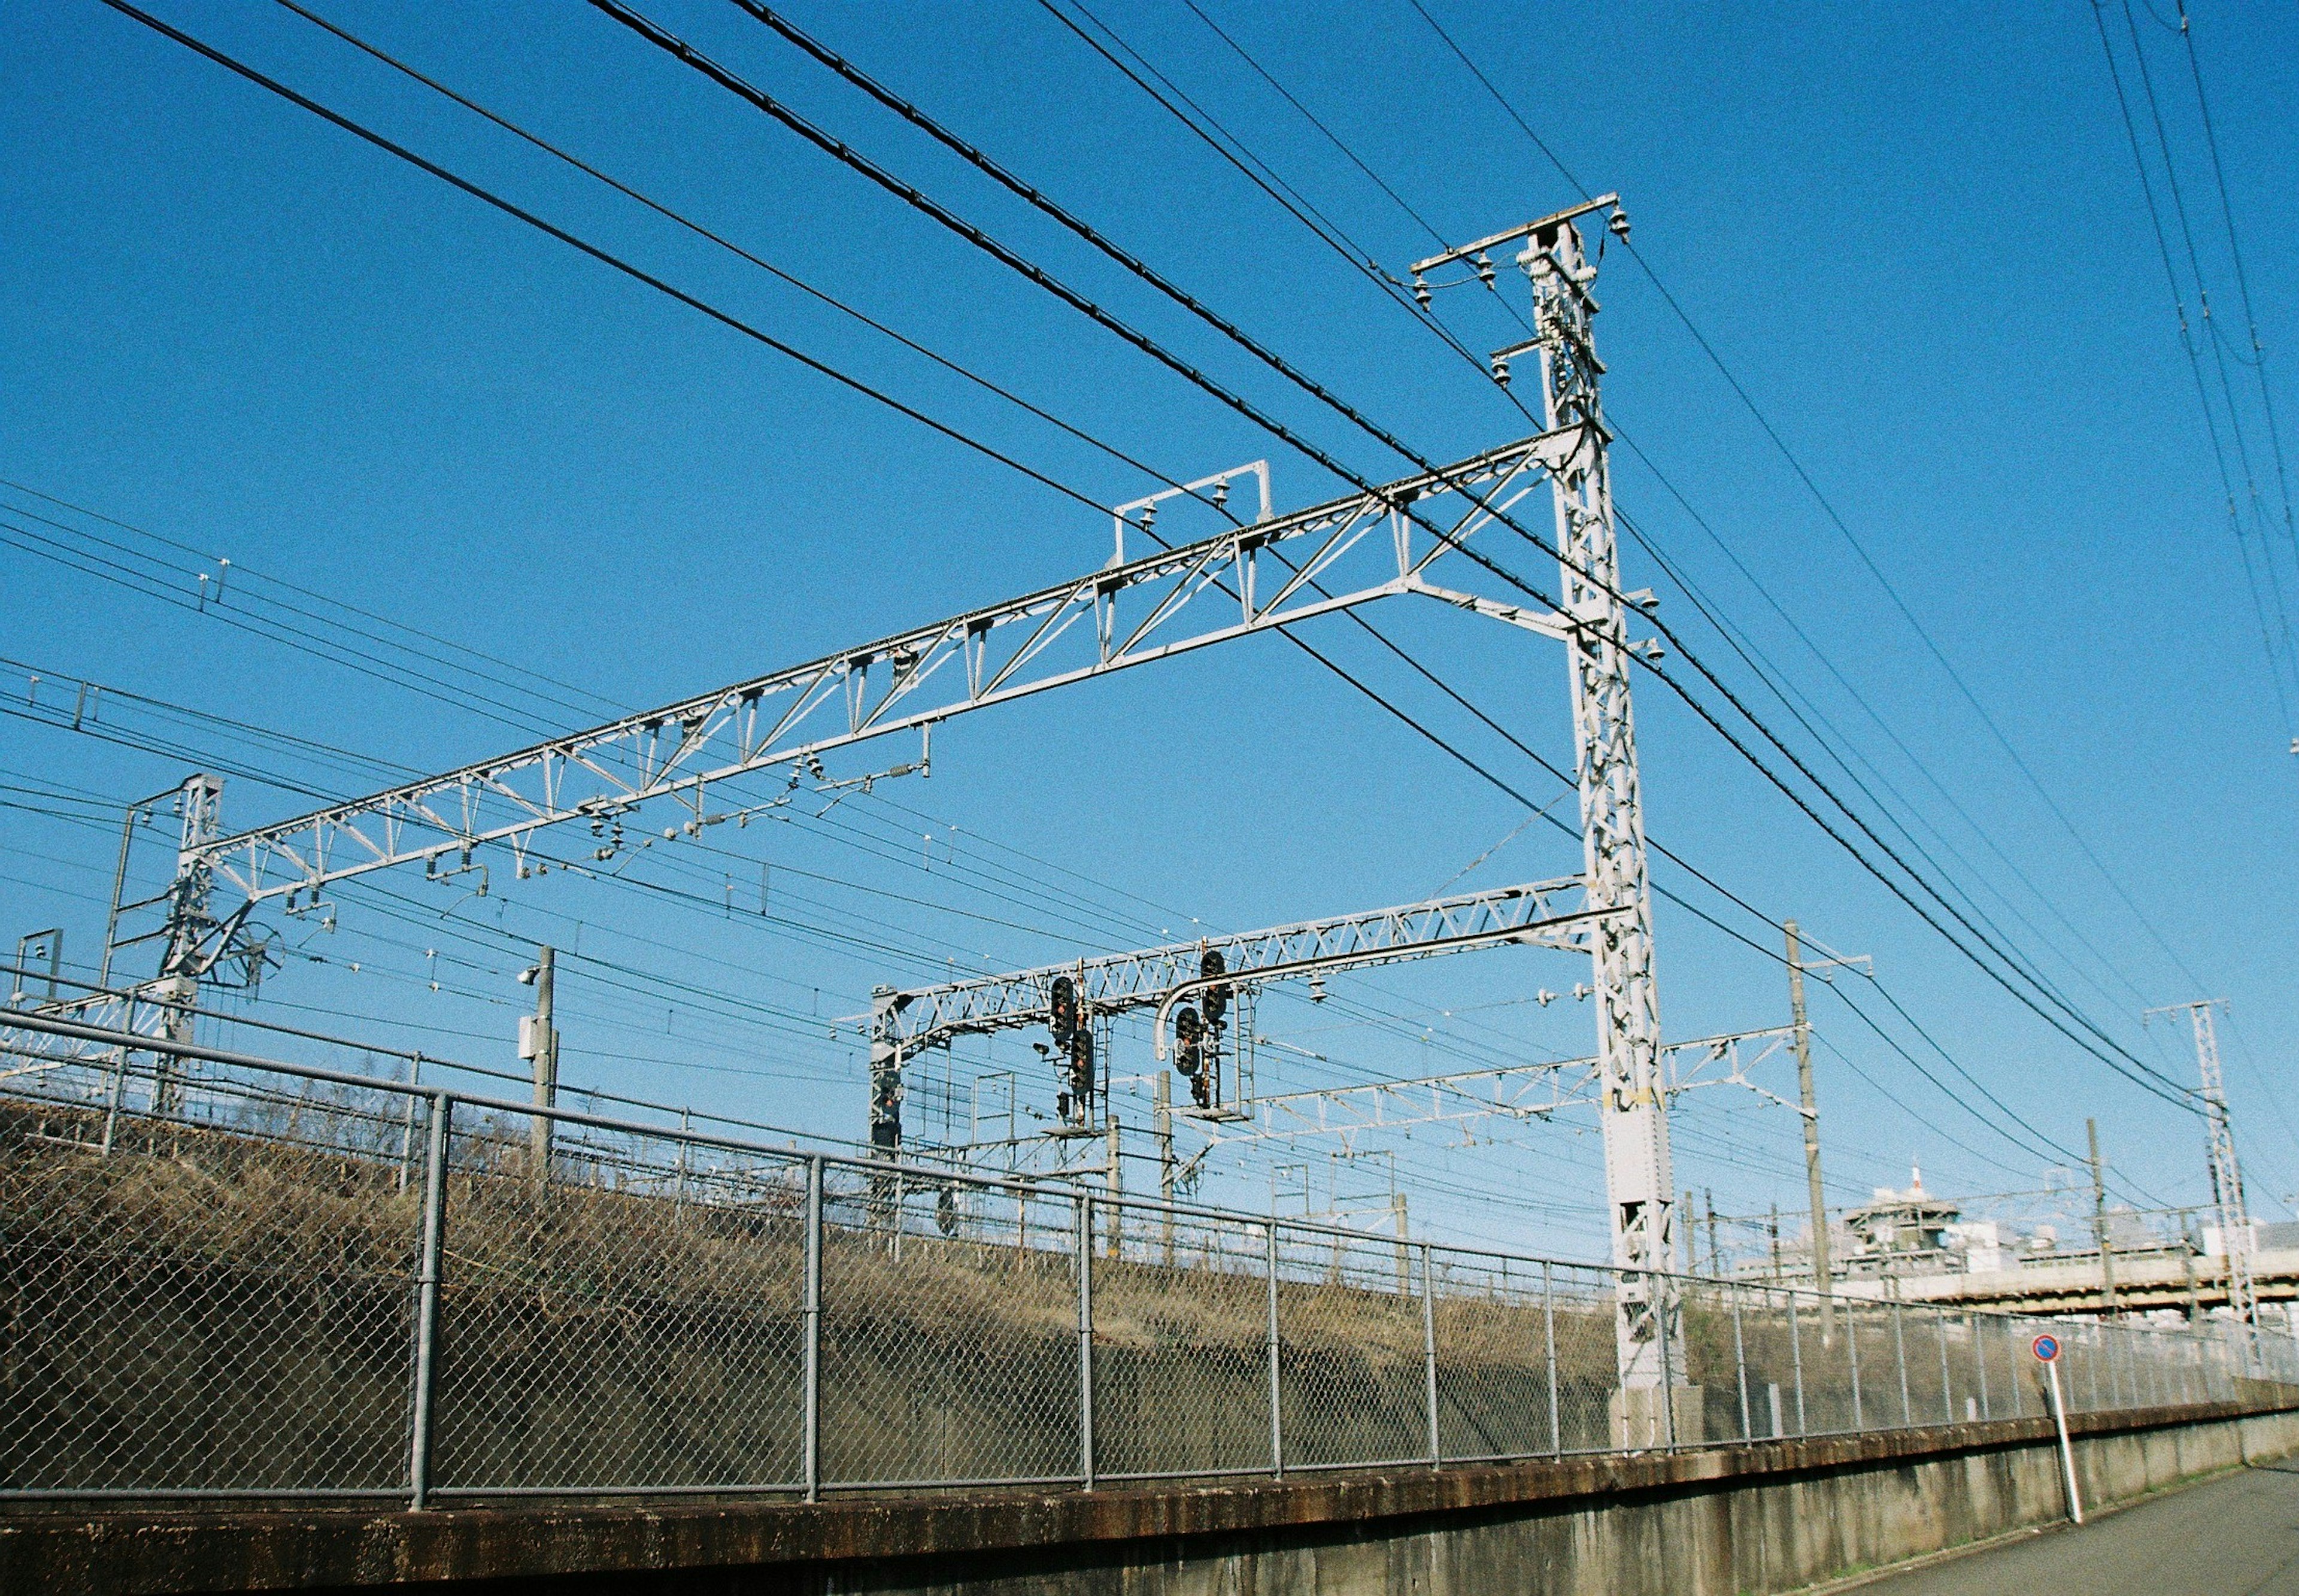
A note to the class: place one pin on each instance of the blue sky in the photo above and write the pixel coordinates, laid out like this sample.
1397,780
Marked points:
1918,240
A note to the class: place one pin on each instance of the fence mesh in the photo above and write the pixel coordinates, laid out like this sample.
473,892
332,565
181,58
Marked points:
1182,1348
214,1281
220,1302
1352,1342
1587,1356
632,1322
949,1330
1494,1398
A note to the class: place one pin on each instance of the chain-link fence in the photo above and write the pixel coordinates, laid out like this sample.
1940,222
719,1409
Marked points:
227,1277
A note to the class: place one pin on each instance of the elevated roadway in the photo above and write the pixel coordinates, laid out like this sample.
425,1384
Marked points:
2143,1280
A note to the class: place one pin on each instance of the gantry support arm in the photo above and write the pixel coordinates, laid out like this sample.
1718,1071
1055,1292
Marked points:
1239,582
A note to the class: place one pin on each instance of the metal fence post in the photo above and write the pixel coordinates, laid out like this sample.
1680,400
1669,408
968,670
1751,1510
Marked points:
1548,1325
1852,1346
1667,1390
1948,1383
1900,1353
1429,1348
426,1304
1980,1358
1741,1365
1276,1384
810,1420
1796,1350
1085,1337
2019,1392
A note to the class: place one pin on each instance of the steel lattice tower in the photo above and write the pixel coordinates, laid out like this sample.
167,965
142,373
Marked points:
1637,1174
2227,1176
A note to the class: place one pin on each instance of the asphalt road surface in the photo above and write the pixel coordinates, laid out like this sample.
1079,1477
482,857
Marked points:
2236,1536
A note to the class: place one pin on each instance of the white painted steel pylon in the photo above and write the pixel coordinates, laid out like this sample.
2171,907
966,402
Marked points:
2227,1176
1639,1180
189,927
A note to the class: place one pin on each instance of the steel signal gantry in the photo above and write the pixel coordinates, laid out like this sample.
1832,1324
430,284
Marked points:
1549,913
1238,583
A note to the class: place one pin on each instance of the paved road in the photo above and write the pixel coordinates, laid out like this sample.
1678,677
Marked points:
2236,1536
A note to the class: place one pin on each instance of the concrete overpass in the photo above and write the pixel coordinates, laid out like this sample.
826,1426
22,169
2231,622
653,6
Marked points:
2155,1279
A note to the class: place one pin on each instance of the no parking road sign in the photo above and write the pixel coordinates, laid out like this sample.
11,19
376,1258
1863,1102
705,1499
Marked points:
2047,1349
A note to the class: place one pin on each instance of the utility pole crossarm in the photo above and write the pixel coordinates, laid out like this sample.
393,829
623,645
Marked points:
931,1015
1174,600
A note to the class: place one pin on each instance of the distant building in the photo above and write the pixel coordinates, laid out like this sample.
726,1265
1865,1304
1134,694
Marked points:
1907,1233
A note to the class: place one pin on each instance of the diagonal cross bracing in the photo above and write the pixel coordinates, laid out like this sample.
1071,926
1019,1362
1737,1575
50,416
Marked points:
1231,585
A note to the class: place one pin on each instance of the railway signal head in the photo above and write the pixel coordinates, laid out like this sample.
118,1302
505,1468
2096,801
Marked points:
1062,1011
1214,1000
1190,1055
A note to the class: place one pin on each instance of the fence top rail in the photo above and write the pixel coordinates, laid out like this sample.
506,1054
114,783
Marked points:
925,1178
96,994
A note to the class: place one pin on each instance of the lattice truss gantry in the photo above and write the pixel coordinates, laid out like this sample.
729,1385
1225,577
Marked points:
1557,914
1247,579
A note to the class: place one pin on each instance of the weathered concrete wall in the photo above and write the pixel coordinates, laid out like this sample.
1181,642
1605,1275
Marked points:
1721,1522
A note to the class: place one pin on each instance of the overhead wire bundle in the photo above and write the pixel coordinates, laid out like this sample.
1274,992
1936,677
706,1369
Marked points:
1922,883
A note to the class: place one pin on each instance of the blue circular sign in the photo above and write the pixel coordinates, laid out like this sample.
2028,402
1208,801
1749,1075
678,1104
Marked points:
2045,1347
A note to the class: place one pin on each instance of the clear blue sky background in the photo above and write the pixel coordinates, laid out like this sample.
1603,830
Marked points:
1917,238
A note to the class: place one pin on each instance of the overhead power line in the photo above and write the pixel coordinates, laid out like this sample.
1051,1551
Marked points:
2131,1066
564,236
1827,505
2288,660
604,257
1169,102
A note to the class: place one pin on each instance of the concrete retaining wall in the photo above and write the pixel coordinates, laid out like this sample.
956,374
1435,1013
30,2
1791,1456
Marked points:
1721,1522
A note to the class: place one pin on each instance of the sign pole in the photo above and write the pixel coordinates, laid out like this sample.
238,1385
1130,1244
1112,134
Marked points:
2047,1349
